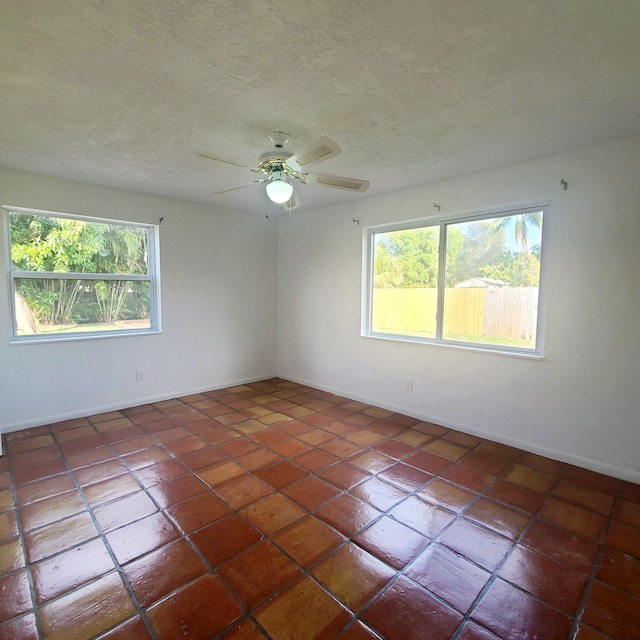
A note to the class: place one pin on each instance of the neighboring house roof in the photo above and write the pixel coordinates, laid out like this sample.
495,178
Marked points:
476,283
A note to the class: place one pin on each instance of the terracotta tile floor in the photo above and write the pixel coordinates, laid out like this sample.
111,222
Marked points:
272,510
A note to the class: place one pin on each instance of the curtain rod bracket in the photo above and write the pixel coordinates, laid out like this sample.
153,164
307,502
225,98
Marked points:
564,184
436,206
357,221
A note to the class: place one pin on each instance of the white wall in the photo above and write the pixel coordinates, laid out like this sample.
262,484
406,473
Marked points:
581,403
218,274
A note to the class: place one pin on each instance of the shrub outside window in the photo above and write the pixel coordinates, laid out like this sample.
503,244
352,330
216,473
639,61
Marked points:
74,276
471,282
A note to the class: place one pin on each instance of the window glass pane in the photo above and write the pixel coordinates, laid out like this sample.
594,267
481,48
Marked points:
58,245
492,280
49,306
405,281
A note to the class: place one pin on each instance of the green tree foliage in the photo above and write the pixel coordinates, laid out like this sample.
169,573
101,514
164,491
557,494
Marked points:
523,270
58,245
481,244
409,258
521,227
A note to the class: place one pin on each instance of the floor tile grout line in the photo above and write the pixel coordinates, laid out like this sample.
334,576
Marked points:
531,515
183,536
436,540
186,537
246,613
118,567
350,539
36,606
362,481
305,571
236,623
291,458
21,533
366,525
595,566
495,574
101,535
461,515
467,620
269,538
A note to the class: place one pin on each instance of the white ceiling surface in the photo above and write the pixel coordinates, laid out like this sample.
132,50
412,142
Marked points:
127,94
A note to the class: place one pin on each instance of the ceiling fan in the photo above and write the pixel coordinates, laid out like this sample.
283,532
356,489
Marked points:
282,168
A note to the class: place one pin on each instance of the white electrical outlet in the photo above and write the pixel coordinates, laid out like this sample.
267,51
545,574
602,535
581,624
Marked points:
408,384
140,375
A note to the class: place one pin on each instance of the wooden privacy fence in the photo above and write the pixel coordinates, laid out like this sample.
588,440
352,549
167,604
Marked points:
505,312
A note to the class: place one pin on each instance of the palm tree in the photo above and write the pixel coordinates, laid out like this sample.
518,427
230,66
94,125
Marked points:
522,223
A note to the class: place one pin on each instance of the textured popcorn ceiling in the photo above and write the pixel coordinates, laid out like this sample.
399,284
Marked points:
128,92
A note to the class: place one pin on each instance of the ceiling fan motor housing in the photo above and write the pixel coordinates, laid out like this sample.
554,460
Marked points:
271,162
273,158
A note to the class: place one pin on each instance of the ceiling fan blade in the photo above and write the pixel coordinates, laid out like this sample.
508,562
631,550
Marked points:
241,186
293,202
219,159
350,184
319,152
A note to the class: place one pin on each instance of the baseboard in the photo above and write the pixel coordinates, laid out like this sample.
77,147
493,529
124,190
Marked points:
38,422
631,475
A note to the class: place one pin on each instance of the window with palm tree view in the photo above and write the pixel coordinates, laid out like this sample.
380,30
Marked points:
468,281
73,275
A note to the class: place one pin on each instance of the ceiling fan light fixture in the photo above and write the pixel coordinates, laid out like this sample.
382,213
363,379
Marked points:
279,169
279,190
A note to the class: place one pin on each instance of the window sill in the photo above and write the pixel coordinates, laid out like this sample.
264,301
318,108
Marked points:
83,336
527,355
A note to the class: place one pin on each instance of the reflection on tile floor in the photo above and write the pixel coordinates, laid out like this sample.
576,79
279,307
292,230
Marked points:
272,510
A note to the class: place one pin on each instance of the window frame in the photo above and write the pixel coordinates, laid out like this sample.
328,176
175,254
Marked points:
442,221
152,277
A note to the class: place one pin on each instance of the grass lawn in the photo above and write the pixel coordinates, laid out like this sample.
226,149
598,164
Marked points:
90,327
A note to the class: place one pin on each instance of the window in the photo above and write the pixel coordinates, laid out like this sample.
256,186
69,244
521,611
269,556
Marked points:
472,281
73,276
